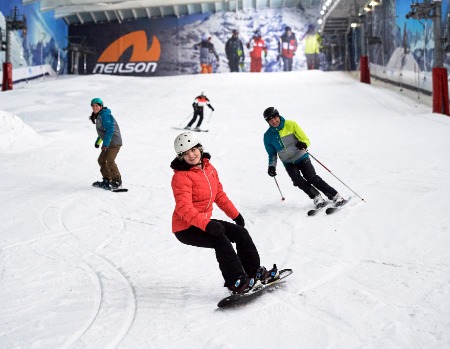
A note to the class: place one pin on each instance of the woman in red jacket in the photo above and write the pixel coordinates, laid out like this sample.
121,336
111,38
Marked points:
196,187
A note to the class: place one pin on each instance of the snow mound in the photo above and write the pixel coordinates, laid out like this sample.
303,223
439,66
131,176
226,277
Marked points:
15,134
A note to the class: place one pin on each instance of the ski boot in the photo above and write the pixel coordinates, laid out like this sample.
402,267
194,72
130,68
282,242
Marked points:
338,200
319,202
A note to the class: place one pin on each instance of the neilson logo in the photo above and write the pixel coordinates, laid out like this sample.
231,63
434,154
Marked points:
142,60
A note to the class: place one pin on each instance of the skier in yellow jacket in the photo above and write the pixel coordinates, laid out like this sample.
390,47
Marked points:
286,140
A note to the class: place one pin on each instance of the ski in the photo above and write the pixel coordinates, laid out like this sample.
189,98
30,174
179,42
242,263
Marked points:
243,297
315,210
190,129
333,209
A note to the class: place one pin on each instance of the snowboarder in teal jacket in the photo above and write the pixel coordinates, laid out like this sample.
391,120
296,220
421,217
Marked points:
111,140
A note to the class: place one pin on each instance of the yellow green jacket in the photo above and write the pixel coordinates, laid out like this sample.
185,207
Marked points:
280,141
313,43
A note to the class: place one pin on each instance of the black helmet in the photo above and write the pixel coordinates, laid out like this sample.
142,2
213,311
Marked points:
287,29
270,113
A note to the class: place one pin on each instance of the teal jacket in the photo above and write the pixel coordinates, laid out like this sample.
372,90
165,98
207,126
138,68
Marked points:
280,141
107,129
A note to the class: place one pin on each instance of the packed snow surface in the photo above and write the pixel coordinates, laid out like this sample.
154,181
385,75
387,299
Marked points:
82,267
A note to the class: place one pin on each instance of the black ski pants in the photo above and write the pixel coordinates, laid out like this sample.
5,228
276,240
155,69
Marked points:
287,63
233,63
304,176
232,264
197,112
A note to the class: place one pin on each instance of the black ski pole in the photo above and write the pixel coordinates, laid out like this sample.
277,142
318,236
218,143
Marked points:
334,175
282,197
184,121
209,119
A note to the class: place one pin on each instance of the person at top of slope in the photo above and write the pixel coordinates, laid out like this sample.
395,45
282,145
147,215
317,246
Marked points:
286,139
208,55
234,49
111,140
199,103
287,47
257,46
196,187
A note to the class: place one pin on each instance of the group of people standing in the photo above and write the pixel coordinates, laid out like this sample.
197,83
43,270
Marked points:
234,50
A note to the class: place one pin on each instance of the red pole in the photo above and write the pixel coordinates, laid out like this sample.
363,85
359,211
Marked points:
7,81
364,69
440,91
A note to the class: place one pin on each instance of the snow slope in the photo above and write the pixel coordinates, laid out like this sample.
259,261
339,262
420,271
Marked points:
85,268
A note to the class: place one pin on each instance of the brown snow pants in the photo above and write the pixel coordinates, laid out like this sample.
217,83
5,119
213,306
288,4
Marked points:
108,166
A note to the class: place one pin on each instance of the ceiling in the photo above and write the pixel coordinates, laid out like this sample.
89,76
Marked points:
88,11
336,15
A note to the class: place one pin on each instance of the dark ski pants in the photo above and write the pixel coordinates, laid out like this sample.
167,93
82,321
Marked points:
304,176
199,113
232,264
312,60
287,63
233,63
108,166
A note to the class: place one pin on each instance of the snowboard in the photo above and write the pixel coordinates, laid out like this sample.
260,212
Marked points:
119,190
245,297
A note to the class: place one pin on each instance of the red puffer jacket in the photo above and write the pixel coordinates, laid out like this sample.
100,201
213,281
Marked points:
195,190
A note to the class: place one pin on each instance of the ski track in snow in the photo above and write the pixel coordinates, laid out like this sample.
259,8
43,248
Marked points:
115,308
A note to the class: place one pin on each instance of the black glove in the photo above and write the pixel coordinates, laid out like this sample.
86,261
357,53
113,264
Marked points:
97,145
214,228
211,108
92,118
271,171
301,145
239,220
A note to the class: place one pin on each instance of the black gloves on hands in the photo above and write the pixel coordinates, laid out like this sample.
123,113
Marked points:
301,145
92,118
214,228
97,145
239,220
271,171
211,108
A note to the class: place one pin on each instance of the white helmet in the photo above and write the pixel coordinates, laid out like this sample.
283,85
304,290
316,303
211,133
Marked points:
185,141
